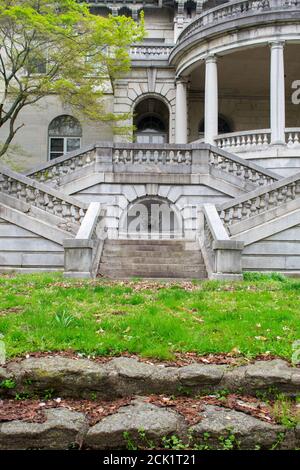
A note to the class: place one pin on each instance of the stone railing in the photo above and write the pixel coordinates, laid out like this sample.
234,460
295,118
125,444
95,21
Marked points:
292,136
155,155
37,195
233,10
53,171
222,256
83,253
260,201
155,158
251,141
245,140
236,166
150,51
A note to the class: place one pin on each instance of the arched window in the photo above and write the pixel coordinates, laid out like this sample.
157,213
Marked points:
64,136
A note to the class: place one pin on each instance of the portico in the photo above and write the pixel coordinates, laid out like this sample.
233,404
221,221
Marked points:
240,72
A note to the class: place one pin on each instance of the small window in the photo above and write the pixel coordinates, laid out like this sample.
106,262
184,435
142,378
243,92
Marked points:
64,136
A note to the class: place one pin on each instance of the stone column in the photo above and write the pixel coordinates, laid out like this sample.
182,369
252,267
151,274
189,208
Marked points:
211,100
277,94
181,112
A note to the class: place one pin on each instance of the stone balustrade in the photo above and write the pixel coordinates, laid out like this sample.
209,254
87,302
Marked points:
260,201
246,140
41,196
150,51
292,136
233,10
163,155
251,141
247,171
56,169
165,158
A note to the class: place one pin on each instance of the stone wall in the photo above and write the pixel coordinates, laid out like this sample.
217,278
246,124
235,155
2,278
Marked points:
280,252
30,146
25,250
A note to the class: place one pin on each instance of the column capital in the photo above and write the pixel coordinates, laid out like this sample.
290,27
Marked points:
211,59
277,44
182,80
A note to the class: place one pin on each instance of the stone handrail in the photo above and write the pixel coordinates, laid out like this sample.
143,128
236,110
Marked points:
222,256
195,158
244,140
233,10
41,196
54,170
150,51
152,154
292,136
243,169
83,253
260,200
258,139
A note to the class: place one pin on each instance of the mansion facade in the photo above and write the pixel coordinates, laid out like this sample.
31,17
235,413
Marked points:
214,94
225,73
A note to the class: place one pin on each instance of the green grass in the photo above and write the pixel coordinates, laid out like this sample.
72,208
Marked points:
47,313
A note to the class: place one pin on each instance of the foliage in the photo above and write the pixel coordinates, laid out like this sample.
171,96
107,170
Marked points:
256,276
286,412
45,312
60,48
8,384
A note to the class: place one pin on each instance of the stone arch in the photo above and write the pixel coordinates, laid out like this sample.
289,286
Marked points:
151,217
127,96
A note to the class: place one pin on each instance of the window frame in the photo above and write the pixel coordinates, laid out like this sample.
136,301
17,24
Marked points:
65,144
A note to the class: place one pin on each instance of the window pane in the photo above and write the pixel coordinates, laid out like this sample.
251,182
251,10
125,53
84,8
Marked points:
73,144
57,145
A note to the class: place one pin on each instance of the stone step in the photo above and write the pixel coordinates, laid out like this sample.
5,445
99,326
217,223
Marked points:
152,248
144,259
161,273
158,243
121,276
149,260
152,259
71,425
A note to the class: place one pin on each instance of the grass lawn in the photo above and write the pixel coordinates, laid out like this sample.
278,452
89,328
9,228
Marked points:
47,313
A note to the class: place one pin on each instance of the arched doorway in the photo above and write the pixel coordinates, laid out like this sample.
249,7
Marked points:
151,121
64,135
151,218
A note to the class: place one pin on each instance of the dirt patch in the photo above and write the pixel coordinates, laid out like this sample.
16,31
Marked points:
33,410
10,310
190,408
181,359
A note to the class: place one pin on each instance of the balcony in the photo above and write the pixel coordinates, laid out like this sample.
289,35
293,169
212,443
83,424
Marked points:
236,15
255,140
153,53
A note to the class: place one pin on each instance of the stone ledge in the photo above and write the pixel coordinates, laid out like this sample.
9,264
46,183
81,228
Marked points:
141,424
121,377
62,429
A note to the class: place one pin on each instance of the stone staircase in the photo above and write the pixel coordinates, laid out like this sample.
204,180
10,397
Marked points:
152,259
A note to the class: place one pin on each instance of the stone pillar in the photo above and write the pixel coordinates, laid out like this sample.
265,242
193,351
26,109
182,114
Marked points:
211,100
181,112
277,94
